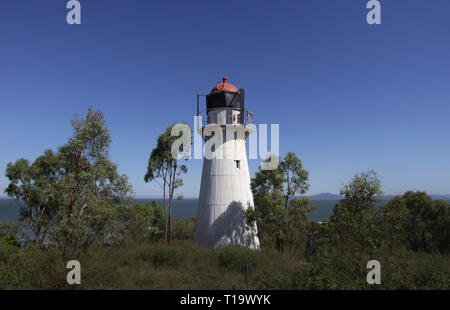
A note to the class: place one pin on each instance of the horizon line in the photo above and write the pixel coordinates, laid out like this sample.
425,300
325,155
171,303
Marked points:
303,196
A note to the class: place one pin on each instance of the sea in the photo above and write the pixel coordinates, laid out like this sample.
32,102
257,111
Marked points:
182,209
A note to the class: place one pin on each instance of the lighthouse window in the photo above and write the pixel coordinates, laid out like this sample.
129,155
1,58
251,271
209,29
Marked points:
238,164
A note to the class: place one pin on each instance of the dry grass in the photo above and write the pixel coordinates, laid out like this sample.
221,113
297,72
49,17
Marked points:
152,265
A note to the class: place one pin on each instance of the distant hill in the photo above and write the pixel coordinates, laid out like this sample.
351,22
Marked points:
330,196
324,196
321,196
441,197
435,197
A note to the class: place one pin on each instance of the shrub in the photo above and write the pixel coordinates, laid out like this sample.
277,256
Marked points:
10,228
183,229
275,281
400,269
139,222
333,270
33,268
8,246
408,270
163,254
235,259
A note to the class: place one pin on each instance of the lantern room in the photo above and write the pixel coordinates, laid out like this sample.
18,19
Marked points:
225,105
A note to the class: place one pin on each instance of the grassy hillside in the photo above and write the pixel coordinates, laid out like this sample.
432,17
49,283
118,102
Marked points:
185,265
152,265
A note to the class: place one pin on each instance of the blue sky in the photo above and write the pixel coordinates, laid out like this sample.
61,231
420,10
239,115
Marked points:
348,96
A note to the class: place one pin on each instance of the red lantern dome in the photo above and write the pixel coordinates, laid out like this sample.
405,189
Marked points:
225,86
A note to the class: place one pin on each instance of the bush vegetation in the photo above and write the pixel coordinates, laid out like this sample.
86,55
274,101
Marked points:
77,202
151,263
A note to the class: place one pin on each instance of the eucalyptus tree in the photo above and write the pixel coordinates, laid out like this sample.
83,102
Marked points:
164,169
354,221
91,184
70,196
272,189
295,177
37,185
428,224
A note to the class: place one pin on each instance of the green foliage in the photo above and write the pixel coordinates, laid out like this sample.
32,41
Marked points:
363,191
298,223
405,269
357,233
233,258
335,269
163,167
37,186
272,220
276,281
393,219
76,196
161,162
353,224
271,190
295,177
156,265
139,222
9,242
288,179
400,269
70,196
425,223
10,228
183,229
8,246
33,268
416,221
268,181
163,255
439,226
91,185
185,265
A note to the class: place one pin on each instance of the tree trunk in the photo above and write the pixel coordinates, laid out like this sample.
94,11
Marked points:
278,244
165,209
424,241
169,213
171,191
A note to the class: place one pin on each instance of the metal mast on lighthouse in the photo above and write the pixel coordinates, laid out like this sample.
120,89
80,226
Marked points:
225,193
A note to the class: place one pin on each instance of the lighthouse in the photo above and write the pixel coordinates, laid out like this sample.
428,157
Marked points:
225,193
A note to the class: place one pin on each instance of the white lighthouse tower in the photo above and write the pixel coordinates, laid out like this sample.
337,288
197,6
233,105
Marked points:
225,193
